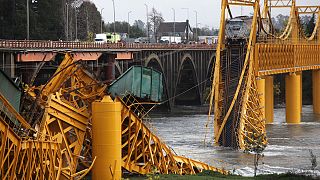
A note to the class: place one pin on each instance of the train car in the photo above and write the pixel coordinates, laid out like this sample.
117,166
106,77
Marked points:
239,28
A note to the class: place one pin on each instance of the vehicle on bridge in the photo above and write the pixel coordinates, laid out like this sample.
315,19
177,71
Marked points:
108,38
171,39
238,28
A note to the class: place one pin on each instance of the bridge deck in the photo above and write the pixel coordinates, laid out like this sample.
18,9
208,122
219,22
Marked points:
49,46
285,58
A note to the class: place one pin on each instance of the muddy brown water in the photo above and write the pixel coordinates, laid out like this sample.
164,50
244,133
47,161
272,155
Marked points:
288,148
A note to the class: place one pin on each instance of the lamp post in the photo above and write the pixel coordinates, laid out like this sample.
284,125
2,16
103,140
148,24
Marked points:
67,17
114,18
129,22
101,19
187,12
147,23
196,26
28,21
174,25
76,14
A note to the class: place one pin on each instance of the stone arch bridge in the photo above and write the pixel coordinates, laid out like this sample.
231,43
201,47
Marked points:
186,68
186,72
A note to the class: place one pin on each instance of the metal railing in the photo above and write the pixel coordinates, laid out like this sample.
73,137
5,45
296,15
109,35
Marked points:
35,44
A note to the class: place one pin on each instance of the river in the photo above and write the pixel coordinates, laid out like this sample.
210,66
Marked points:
288,148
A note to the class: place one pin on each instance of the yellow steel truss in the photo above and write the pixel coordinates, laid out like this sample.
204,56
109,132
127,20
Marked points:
142,151
251,125
290,51
61,145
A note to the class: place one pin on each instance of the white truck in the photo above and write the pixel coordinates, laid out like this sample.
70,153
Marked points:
108,38
171,39
101,38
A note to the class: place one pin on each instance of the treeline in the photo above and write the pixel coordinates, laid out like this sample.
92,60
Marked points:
49,20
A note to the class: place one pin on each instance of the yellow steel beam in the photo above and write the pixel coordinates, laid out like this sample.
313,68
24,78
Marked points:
261,87
62,120
280,3
142,151
307,9
286,58
9,111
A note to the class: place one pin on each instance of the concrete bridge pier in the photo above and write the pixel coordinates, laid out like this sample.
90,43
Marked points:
293,97
316,91
7,63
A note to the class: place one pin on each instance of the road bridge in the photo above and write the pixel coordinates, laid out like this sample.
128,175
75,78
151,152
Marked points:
186,67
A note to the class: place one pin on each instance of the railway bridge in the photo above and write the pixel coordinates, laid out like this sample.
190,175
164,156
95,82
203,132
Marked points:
241,97
186,67
242,90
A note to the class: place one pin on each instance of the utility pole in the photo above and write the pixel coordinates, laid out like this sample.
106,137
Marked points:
196,26
28,21
129,23
114,19
101,19
174,25
67,14
147,23
187,12
76,16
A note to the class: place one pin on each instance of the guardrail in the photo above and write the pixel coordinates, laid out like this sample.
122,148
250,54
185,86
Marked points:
33,44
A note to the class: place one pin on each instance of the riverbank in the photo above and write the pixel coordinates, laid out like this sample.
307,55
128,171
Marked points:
208,175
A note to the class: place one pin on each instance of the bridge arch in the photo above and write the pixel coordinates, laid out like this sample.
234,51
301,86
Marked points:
210,70
187,91
153,61
117,70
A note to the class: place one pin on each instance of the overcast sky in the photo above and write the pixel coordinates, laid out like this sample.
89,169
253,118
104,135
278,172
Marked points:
208,10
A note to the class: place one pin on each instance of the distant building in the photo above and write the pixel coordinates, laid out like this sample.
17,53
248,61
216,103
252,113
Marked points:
181,29
208,39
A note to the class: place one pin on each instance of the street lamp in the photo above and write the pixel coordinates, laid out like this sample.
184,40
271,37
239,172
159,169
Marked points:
67,14
101,19
187,12
196,26
76,14
174,25
114,18
147,23
129,23
28,21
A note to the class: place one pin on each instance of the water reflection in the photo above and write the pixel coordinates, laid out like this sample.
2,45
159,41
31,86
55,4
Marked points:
288,147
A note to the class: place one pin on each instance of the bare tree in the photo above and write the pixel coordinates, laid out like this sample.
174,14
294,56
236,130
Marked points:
155,19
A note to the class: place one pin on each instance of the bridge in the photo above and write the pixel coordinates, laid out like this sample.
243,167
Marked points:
242,89
52,135
186,67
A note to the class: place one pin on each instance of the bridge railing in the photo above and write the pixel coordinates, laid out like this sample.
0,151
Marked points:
35,44
285,58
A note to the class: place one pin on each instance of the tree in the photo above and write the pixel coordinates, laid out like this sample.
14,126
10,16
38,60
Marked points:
89,21
47,19
280,22
139,24
122,27
155,19
257,148
310,25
